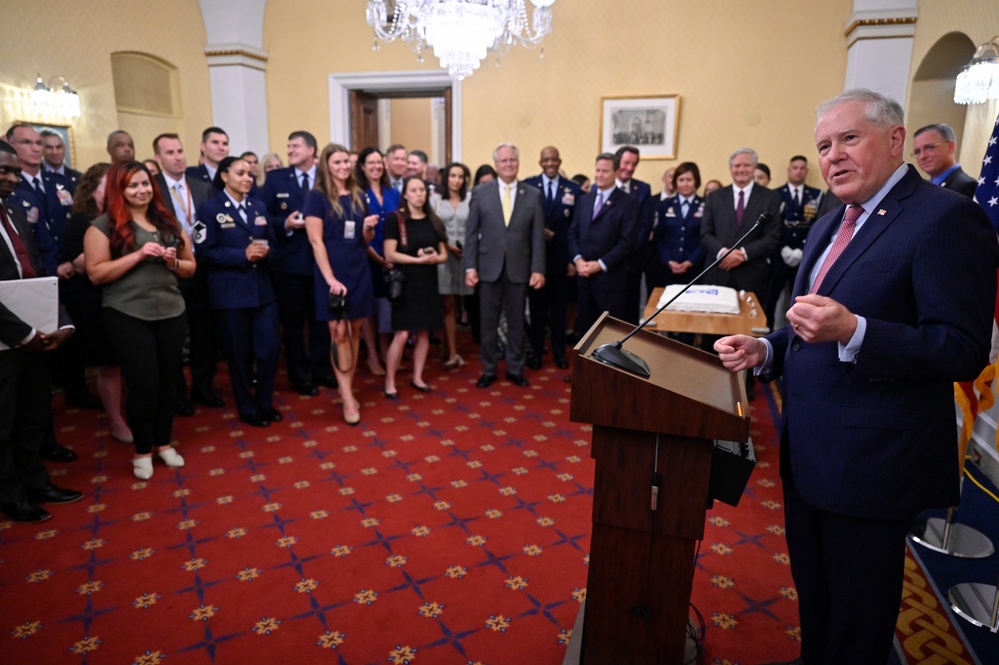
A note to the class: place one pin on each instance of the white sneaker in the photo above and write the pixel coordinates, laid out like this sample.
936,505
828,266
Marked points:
142,467
171,458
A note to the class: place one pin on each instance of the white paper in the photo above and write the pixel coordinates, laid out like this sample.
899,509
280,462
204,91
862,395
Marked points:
35,301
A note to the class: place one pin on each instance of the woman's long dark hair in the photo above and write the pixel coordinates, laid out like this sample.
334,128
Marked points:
83,198
362,177
427,210
121,231
483,171
447,178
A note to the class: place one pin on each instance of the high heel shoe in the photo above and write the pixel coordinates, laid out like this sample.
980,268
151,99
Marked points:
171,457
455,362
142,467
422,389
354,418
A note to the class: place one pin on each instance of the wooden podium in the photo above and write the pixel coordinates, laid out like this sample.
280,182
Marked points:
660,428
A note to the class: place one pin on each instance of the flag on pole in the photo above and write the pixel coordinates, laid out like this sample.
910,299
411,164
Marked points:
979,395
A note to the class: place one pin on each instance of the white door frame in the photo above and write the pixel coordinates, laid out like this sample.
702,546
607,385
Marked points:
342,84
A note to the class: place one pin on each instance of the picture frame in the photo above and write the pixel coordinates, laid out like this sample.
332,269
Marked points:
650,123
65,131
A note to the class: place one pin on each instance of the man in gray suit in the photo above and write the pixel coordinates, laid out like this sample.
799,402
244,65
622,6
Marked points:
504,254
184,195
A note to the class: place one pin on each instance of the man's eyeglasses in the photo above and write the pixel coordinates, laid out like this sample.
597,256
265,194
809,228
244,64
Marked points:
926,148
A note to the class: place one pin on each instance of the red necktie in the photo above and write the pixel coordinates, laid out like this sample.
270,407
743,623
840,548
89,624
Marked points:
27,270
842,240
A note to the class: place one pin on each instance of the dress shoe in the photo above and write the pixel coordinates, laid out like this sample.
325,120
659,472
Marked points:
57,453
454,363
53,494
517,380
325,381
422,389
485,381
389,395
255,420
24,511
183,407
306,389
83,400
272,415
534,362
212,399
561,362
142,467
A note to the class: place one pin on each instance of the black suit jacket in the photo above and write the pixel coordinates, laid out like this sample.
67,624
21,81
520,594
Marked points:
718,230
611,236
961,182
200,190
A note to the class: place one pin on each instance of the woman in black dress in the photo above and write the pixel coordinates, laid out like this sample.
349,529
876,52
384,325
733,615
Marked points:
415,241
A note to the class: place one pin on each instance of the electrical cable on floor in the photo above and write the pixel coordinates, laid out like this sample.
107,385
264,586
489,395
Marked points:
696,634
980,486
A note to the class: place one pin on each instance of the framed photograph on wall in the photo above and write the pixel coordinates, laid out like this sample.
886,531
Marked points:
66,132
650,123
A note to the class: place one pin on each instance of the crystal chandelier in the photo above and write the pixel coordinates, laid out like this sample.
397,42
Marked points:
461,32
978,81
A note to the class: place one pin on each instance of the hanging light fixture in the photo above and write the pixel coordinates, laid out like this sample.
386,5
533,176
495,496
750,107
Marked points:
978,81
61,101
461,32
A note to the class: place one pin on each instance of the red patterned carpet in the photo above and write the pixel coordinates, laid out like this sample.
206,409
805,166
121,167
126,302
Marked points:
448,528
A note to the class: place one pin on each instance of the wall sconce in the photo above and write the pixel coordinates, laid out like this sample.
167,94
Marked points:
978,81
60,101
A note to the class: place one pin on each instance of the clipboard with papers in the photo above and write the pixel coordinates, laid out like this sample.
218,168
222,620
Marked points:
35,301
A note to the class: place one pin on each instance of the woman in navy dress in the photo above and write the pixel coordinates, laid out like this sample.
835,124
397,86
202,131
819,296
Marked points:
677,233
232,242
416,241
340,228
382,199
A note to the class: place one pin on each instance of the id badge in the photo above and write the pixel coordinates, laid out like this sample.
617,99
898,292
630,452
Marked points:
349,229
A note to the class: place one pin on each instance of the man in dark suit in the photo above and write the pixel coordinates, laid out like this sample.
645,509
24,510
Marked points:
891,306
625,162
548,304
504,255
54,158
24,388
121,147
602,245
934,147
185,195
214,148
306,341
798,205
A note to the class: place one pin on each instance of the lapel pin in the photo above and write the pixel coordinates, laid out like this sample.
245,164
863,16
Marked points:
882,212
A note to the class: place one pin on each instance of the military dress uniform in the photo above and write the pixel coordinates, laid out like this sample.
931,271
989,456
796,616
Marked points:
242,296
798,216
47,213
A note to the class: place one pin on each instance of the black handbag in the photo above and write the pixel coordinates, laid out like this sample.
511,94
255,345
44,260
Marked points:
337,306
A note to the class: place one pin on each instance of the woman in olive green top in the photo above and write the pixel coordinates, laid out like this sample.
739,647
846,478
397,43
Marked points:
137,250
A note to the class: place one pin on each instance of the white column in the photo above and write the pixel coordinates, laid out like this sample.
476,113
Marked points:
237,65
879,41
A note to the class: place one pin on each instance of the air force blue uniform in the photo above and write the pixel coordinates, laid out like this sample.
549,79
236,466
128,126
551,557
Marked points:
676,237
242,296
294,268
548,304
47,214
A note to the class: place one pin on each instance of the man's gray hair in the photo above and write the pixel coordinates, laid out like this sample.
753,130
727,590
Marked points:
744,151
942,128
879,109
516,152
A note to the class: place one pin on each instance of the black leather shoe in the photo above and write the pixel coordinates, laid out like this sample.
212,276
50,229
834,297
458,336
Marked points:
422,389
83,401
485,381
213,400
306,389
534,362
53,494
517,380
561,362
255,420
57,453
325,381
272,415
184,408
24,511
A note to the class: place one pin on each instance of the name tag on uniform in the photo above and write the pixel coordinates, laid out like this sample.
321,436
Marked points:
283,195
227,225
670,212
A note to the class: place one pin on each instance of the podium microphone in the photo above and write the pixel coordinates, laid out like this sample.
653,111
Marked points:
613,354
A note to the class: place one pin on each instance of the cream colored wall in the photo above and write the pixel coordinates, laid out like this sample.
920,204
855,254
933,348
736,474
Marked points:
76,39
411,123
979,20
746,75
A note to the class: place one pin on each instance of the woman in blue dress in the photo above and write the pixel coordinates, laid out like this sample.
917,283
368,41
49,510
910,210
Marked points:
232,242
382,199
340,228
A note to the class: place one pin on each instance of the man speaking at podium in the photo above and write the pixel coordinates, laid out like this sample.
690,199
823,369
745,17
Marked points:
893,302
